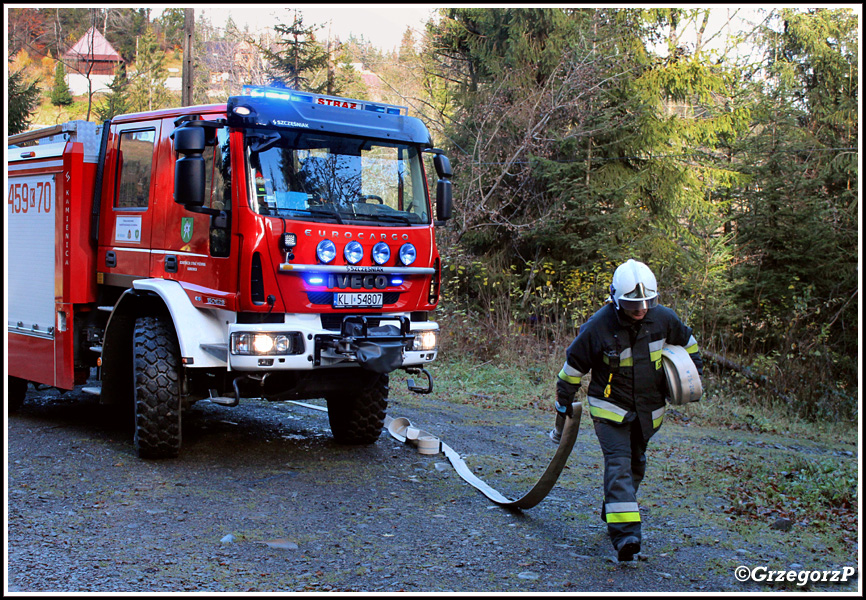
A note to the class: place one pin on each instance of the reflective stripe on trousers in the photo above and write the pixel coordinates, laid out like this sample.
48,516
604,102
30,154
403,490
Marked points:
621,512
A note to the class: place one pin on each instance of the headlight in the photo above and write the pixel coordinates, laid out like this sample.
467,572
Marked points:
353,252
264,343
407,254
326,251
426,341
381,253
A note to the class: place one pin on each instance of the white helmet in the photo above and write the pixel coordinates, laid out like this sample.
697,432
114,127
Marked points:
634,286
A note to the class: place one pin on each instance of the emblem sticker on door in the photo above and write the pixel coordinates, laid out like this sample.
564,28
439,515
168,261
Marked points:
186,229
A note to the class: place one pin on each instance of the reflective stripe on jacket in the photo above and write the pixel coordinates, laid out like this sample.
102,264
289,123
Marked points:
625,361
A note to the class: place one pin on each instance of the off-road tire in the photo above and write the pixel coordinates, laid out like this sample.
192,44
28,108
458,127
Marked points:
17,392
156,367
358,415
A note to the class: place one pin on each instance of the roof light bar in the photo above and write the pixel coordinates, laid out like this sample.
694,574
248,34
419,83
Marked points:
310,98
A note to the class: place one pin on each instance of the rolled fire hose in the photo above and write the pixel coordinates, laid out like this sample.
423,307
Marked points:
402,430
684,382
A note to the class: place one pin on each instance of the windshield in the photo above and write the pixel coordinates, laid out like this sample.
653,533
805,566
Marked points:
335,179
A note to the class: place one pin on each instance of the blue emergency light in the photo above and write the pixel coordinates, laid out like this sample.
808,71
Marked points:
282,108
254,91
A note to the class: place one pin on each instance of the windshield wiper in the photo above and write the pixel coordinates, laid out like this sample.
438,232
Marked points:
388,217
324,212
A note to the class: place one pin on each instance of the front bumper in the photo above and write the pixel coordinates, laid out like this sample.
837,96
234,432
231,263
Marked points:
359,340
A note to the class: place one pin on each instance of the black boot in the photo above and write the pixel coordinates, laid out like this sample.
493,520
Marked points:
628,548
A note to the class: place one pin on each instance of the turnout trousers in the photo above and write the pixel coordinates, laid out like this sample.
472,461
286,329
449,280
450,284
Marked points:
624,449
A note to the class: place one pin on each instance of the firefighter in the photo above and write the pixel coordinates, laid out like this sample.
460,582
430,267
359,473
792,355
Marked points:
621,345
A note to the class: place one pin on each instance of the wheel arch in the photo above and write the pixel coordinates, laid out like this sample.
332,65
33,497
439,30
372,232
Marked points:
201,333
152,297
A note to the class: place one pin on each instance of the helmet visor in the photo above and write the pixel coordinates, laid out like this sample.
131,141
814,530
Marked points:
641,304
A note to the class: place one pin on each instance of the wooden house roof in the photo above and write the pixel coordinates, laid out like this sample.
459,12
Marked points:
93,47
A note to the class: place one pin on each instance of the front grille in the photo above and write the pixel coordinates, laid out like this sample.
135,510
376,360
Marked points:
335,322
320,297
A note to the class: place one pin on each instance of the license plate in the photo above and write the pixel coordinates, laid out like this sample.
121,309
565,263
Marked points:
358,300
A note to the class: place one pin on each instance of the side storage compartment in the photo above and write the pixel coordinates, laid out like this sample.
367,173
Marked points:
51,256
31,215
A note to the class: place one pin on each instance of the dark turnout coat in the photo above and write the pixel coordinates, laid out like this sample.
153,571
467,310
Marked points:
625,359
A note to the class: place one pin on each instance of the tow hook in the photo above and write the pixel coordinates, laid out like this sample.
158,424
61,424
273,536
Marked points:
420,389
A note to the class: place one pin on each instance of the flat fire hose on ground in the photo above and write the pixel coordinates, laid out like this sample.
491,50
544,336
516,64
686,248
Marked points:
402,430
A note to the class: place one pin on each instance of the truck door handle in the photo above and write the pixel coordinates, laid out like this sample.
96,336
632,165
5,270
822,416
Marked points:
170,263
110,259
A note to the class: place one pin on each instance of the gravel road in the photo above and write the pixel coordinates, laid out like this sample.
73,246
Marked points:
262,500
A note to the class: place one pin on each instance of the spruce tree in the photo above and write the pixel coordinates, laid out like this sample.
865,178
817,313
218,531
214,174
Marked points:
302,62
23,98
147,89
796,223
584,143
60,93
116,102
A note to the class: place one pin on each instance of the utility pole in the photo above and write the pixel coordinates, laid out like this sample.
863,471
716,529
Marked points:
331,67
188,45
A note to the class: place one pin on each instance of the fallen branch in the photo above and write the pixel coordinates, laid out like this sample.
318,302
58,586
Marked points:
745,372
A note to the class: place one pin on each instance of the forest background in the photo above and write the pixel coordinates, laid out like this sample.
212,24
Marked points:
579,138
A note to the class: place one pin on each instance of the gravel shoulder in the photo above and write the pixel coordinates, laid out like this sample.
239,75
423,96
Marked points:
262,500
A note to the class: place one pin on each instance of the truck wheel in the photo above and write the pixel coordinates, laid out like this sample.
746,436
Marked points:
17,392
156,366
357,416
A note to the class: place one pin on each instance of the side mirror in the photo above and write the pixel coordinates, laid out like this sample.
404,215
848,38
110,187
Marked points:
189,140
443,199
189,169
444,192
443,166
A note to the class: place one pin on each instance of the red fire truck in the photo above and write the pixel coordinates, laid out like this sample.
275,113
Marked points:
279,246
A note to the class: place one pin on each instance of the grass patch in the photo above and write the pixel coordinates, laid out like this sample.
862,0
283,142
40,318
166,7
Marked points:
47,115
731,404
765,489
816,491
493,383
